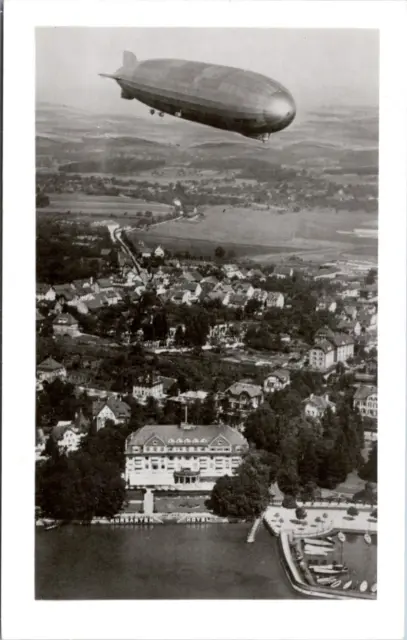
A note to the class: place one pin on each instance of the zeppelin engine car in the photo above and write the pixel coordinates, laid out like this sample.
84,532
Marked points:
218,96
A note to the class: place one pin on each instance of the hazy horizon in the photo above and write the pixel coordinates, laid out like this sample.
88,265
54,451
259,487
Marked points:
319,66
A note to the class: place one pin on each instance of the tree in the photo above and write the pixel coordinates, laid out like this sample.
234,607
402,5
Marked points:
369,470
219,253
352,511
242,496
208,410
262,429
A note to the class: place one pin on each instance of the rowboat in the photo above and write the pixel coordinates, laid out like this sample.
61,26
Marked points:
367,538
315,551
318,543
373,588
338,567
341,536
347,585
336,584
326,581
363,586
331,572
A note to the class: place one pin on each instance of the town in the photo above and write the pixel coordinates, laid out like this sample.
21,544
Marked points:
198,384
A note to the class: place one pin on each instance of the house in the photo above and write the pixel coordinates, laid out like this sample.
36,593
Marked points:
39,319
369,292
349,326
194,289
244,288
67,435
210,280
366,401
190,397
367,321
49,370
146,252
103,285
238,300
192,276
322,355
220,296
255,274
275,299
349,312
180,297
316,406
244,396
45,292
182,456
277,380
232,271
65,293
327,273
111,409
159,252
65,324
281,272
260,296
326,304
148,387
343,344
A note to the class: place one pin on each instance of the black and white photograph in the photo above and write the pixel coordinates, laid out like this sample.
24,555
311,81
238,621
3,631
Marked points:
205,406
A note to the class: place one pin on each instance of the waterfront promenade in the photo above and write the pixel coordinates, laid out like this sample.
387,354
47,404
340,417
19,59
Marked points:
320,519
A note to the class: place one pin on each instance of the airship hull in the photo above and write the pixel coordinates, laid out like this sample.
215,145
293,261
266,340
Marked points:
215,95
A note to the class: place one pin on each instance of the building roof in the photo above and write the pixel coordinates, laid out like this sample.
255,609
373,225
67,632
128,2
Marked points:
167,382
274,295
364,391
49,364
42,289
281,374
64,290
324,345
118,407
170,433
104,283
341,339
282,270
238,299
253,390
320,402
65,319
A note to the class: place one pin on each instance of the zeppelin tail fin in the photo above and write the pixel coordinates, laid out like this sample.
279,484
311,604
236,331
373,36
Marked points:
129,60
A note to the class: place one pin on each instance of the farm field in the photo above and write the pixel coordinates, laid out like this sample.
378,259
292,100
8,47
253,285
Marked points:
305,230
103,205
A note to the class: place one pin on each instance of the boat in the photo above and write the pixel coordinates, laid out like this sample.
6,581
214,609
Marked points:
326,581
363,586
373,588
367,538
347,585
315,551
330,539
331,572
336,584
318,543
341,536
54,525
338,567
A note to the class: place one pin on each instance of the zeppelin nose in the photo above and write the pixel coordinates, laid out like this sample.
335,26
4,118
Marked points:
280,110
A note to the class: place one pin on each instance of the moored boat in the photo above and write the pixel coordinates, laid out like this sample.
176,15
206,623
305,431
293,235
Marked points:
336,584
367,538
373,588
315,551
318,543
347,585
326,581
363,586
331,572
338,567
341,536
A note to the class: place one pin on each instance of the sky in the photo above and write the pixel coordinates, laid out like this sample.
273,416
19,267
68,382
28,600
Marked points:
319,66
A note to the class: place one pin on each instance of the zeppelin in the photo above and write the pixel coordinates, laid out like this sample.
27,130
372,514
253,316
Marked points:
214,95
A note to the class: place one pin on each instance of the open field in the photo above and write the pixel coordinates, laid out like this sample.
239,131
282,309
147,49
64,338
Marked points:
303,231
102,205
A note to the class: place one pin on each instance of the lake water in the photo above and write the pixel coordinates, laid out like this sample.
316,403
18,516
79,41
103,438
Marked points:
164,561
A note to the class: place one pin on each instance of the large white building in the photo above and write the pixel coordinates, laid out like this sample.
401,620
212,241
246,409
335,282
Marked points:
182,456
148,387
366,401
